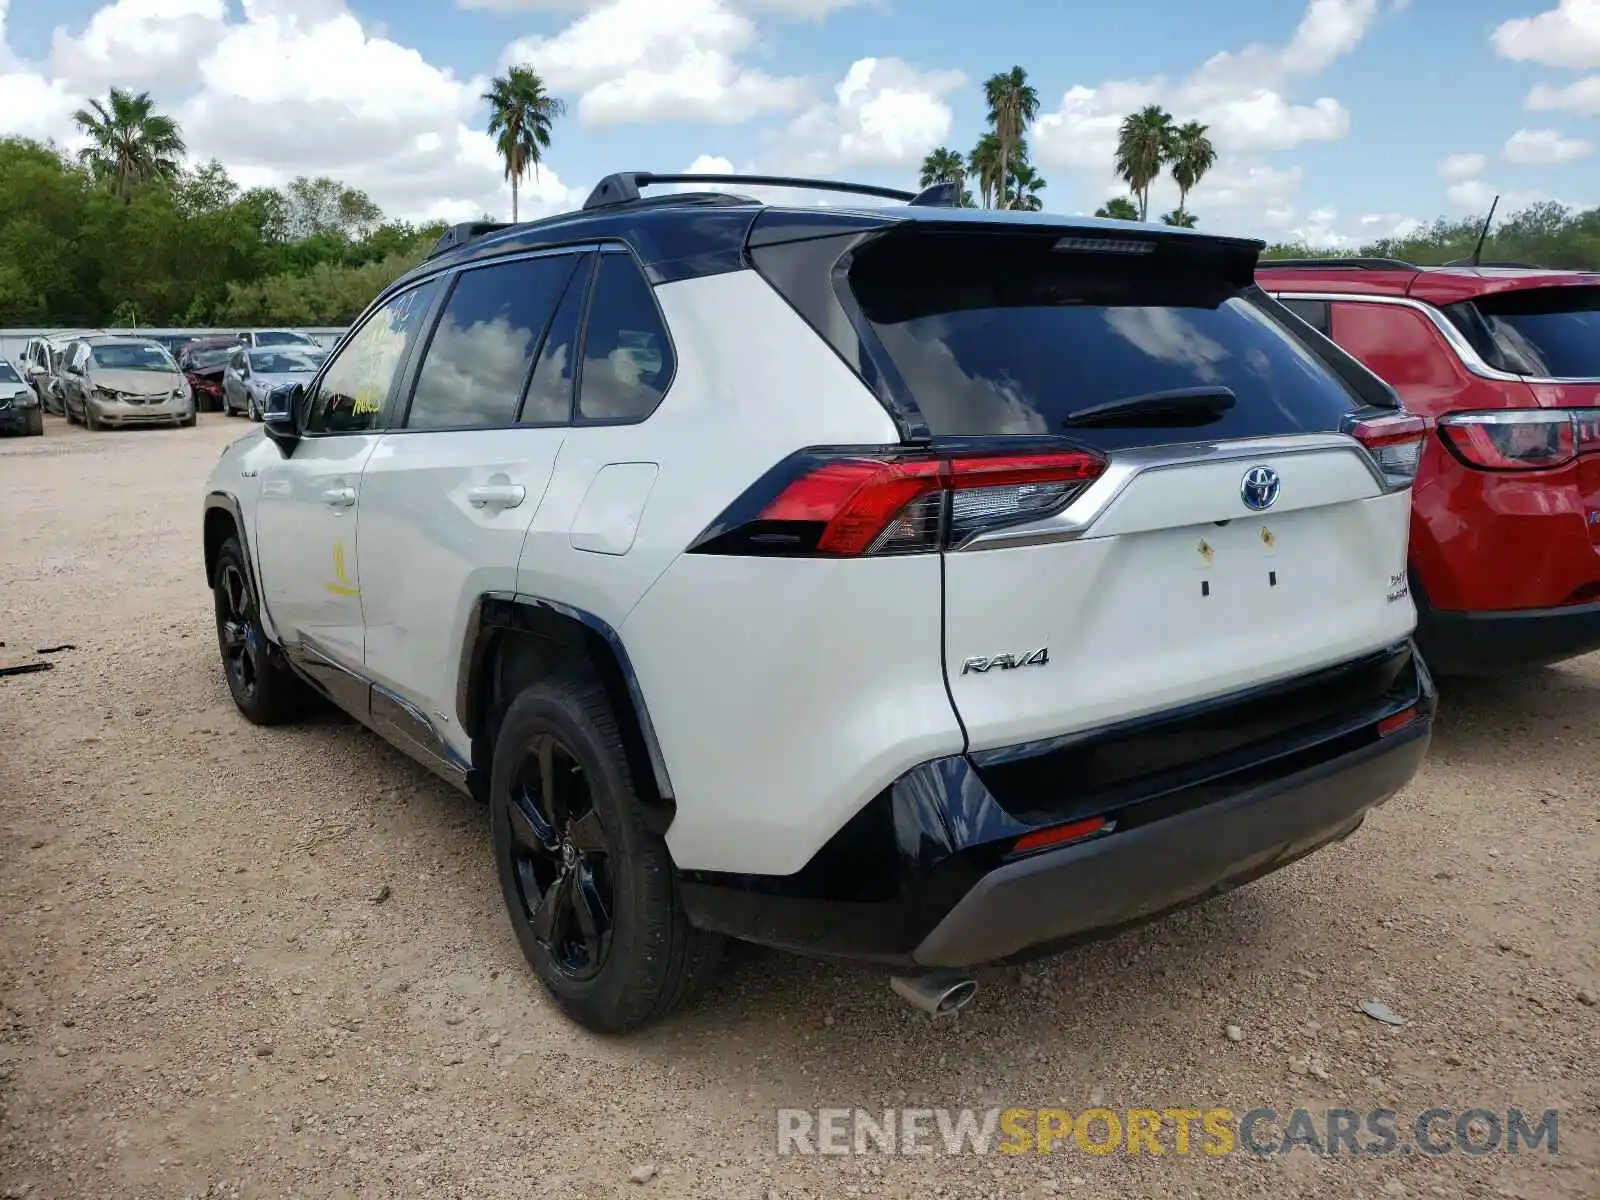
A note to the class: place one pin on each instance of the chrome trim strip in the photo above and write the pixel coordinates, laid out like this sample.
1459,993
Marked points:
1469,357
1077,518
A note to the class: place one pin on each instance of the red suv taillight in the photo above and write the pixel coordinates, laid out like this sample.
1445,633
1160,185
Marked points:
843,504
1395,443
1521,439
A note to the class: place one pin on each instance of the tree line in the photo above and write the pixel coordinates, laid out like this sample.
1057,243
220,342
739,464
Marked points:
124,234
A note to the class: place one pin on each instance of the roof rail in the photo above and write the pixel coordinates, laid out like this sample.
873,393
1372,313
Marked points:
623,187
467,231
1351,262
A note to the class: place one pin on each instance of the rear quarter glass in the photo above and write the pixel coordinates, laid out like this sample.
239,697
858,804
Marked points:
1009,337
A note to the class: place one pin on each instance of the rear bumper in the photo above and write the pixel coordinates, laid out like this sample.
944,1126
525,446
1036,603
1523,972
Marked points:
924,876
1053,898
1488,643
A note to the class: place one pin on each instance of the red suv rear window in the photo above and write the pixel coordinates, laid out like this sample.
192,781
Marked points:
1547,333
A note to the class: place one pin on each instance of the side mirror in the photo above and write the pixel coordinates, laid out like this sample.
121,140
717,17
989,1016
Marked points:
280,420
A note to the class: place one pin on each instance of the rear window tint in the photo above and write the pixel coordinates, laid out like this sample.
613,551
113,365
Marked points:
1550,333
994,339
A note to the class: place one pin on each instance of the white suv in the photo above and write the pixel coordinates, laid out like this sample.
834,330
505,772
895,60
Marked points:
915,584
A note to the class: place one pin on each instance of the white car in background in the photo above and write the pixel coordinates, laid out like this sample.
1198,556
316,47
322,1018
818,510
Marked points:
285,338
19,405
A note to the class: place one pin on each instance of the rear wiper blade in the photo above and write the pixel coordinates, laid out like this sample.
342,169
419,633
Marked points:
1176,406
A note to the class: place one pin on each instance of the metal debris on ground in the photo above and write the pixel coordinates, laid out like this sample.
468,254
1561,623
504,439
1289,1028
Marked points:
1379,1011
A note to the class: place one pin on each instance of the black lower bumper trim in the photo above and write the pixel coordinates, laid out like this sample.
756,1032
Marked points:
1111,882
1492,643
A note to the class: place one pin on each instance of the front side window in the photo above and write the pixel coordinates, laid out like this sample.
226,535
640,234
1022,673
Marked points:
479,356
350,396
627,355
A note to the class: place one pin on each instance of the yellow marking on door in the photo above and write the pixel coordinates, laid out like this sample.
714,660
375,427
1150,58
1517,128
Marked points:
342,585
1268,539
1206,552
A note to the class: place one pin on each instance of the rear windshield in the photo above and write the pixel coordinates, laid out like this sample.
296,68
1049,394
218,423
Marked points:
281,362
999,340
216,356
281,338
1549,333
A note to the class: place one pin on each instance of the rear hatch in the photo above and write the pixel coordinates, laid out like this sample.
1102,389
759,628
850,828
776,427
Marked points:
1231,535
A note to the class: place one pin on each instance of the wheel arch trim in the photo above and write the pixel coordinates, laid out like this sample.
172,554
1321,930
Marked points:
523,613
227,502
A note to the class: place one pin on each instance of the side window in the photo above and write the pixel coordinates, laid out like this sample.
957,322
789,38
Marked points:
350,396
478,358
549,400
1313,312
627,355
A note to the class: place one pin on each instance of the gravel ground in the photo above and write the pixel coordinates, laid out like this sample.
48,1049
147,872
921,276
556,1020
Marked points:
247,962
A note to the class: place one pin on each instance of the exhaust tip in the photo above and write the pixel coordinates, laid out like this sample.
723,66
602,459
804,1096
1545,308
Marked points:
938,992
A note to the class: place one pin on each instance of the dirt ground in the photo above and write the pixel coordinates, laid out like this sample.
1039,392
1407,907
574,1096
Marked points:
202,993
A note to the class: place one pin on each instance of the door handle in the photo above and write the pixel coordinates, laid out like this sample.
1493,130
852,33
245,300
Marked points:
502,495
340,497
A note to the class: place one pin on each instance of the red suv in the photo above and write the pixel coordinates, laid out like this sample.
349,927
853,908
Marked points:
1504,364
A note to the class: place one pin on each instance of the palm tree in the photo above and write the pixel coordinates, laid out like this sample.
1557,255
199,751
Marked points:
1192,156
1144,146
1180,218
521,113
943,166
984,162
130,142
1118,208
1026,184
1013,104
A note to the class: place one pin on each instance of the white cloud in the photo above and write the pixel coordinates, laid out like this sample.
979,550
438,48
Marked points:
885,113
1388,225
658,60
1567,35
1243,96
31,104
1582,95
804,9
1475,196
1544,146
1463,166
136,44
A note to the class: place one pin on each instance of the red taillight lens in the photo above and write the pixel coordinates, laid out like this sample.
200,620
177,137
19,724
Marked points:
852,504
1395,444
1521,439
1397,722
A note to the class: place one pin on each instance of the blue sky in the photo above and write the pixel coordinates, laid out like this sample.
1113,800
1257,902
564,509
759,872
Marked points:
1334,119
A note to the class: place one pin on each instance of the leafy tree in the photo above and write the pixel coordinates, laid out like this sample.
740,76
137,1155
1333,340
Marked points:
130,143
1118,208
1191,155
521,114
1013,105
1180,218
1144,146
326,206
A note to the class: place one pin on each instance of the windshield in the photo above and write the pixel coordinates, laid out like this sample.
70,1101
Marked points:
281,362
8,373
205,360
273,337
1005,340
1548,333
131,356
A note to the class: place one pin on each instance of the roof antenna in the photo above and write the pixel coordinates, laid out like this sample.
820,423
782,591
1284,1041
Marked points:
1477,253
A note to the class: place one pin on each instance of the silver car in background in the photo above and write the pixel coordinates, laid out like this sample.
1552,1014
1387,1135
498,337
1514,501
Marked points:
110,380
252,374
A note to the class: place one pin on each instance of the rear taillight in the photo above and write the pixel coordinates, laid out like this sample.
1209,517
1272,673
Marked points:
1521,439
1395,443
843,504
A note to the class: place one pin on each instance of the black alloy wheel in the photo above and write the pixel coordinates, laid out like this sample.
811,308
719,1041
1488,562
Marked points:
561,857
237,630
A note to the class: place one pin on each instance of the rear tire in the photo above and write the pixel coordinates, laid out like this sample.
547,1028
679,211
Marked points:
263,686
591,891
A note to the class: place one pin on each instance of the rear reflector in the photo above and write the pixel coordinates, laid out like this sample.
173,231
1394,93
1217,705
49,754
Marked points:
1395,444
1521,439
1060,835
1397,722
844,504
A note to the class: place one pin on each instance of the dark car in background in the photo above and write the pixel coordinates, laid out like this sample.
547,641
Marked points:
19,404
